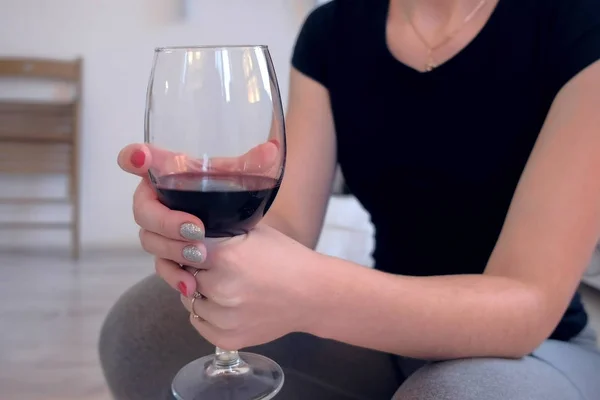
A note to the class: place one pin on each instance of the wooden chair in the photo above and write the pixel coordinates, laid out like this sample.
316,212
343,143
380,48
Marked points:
42,138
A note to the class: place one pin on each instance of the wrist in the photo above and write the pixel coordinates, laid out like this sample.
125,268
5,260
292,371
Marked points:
322,292
275,221
331,298
312,295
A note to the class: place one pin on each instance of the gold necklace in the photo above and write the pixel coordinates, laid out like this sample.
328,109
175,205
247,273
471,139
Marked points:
431,65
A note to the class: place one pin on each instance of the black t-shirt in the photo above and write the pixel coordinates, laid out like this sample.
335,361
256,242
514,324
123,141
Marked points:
435,157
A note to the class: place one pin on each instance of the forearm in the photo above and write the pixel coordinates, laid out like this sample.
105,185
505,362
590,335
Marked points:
285,225
442,317
277,221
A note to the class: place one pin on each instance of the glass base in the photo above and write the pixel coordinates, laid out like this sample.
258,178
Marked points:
254,378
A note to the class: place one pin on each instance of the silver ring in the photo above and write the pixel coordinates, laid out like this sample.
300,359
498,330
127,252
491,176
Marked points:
196,272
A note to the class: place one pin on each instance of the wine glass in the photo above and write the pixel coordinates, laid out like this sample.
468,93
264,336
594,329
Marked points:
214,124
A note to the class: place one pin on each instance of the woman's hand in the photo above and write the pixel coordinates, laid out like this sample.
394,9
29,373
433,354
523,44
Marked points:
164,231
254,285
255,288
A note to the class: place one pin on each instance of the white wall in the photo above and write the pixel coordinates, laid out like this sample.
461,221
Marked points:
116,39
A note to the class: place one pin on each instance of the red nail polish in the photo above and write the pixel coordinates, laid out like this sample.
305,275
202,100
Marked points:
138,158
182,288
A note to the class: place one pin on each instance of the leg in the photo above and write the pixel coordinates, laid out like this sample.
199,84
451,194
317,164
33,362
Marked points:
556,371
144,340
147,338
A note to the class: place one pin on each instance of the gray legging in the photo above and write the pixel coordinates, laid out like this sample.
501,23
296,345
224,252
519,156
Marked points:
147,337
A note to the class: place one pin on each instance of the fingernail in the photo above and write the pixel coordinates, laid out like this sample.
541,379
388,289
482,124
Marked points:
191,231
193,254
182,288
138,158
275,142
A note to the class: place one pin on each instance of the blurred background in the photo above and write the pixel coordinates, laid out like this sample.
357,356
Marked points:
68,242
115,40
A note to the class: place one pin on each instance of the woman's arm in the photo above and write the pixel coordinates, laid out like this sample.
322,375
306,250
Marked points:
545,245
299,208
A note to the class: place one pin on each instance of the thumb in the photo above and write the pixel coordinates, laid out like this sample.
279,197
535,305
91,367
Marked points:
135,159
258,160
138,158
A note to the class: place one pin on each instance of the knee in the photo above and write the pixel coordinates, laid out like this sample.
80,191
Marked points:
494,379
124,326
137,340
440,381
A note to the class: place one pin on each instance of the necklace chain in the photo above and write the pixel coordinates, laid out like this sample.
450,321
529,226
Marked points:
431,64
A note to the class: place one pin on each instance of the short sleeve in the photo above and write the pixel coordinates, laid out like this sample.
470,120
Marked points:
313,45
574,40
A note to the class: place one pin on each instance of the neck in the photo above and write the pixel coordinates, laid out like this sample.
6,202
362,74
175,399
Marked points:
440,12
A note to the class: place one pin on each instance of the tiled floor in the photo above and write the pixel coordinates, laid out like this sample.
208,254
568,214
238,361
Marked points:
51,310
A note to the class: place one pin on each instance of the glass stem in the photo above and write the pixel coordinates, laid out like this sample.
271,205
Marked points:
226,359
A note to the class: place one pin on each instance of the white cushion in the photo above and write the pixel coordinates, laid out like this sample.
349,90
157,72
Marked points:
347,231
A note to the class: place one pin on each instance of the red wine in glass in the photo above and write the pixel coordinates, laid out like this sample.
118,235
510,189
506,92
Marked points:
228,204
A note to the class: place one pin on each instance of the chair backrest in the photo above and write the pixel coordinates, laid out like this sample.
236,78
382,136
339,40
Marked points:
39,136
41,68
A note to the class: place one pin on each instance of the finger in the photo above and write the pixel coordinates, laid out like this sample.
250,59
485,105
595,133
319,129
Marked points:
222,338
135,159
210,312
175,250
152,215
203,307
175,276
220,287
195,272
138,158
260,159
